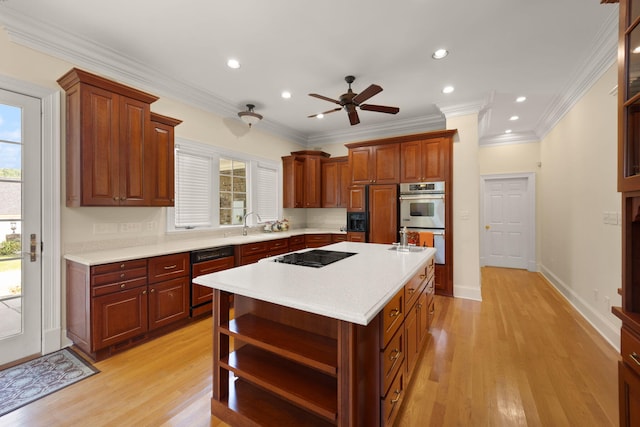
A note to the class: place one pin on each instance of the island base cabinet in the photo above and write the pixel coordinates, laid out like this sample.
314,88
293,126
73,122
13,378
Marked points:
290,367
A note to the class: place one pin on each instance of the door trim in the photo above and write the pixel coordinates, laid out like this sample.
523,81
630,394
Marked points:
532,264
51,329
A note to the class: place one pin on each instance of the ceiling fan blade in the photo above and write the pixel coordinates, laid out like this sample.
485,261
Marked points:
326,112
353,117
380,108
366,94
315,95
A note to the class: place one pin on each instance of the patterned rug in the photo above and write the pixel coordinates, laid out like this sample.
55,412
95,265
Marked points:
29,381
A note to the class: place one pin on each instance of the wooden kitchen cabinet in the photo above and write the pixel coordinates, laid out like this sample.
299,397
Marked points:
204,294
356,236
383,213
168,289
424,160
335,182
118,317
374,164
317,240
357,198
160,162
254,252
302,179
108,132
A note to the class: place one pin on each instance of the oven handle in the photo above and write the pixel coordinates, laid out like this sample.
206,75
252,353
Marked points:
422,196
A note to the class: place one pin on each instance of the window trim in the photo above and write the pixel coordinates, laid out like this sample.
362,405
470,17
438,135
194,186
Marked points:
216,153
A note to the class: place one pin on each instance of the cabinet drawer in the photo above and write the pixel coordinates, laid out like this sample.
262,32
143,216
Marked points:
296,240
254,248
119,266
414,287
392,401
338,238
279,246
118,286
391,361
392,316
168,267
212,266
317,238
630,349
119,276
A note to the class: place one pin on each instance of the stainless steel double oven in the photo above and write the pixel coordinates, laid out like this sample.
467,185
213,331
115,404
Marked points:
422,207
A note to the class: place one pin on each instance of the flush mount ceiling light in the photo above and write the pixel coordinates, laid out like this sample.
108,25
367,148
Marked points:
447,89
521,99
249,116
440,53
286,94
512,118
233,63
507,131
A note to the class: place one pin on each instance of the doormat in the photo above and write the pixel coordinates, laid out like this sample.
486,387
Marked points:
29,381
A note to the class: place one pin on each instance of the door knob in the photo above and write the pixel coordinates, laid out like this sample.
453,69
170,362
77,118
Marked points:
487,227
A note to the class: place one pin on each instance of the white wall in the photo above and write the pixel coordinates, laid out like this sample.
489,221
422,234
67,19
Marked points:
466,207
580,254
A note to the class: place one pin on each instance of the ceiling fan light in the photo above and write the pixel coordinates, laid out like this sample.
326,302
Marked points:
250,117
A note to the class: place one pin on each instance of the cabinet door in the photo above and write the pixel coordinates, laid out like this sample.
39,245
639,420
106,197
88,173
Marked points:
344,181
386,164
434,152
118,317
383,213
168,302
99,172
357,198
628,395
293,182
134,121
312,182
355,236
160,165
360,159
411,162
330,185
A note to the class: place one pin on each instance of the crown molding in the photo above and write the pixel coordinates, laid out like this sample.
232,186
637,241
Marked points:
509,138
605,50
473,107
393,128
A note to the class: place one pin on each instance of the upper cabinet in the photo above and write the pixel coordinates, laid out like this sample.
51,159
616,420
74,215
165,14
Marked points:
302,179
335,182
629,98
160,162
374,164
109,152
424,160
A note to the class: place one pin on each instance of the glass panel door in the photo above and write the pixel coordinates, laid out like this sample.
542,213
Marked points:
20,219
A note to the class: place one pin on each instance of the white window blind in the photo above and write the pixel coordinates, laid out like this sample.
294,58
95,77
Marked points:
194,189
267,192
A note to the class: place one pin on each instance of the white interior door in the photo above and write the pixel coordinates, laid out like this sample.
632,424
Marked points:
20,226
507,218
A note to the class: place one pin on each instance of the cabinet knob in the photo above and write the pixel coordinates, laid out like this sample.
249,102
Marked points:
144,292
116,198
122,275
411,291
122,286
122,265
394,313
152,290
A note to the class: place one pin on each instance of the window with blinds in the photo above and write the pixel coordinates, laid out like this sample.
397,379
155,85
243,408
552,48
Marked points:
215,188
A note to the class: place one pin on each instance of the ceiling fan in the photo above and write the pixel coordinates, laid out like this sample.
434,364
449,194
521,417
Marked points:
350,100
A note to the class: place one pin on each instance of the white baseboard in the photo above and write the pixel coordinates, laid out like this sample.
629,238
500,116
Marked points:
608,329
467,292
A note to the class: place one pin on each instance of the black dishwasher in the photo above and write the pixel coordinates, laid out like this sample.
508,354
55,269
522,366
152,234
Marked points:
205,261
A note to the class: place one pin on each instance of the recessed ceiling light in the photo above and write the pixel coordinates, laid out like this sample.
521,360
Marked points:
286,94
636,49
447,89
440,53
320,116
512,118
233,63
507,131
521,99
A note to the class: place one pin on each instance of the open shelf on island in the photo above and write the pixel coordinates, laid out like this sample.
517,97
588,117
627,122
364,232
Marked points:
286,379
313,350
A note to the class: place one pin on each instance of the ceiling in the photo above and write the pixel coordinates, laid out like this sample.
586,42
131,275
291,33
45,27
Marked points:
547,50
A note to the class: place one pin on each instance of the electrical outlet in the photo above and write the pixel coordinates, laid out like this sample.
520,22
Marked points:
130,227
151,225
607,303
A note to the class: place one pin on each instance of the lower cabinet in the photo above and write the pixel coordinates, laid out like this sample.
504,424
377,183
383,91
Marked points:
317,240
114,306
628,395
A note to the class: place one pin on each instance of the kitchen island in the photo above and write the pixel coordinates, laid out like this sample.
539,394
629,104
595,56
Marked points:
334,345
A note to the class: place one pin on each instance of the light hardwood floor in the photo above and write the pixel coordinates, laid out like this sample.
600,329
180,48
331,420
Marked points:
523,356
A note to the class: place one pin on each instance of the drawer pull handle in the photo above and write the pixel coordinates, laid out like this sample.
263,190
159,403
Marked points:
122,265
422,276
170,267
411,291
122,286
394,313
635,357
122,275
397,393
395,354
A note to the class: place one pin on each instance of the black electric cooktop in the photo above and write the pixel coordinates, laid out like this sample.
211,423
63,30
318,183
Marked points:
315,258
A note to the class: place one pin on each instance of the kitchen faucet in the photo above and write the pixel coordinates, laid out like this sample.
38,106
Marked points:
244,220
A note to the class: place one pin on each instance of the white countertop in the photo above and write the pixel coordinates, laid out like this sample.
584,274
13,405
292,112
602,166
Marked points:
354,289
183,245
